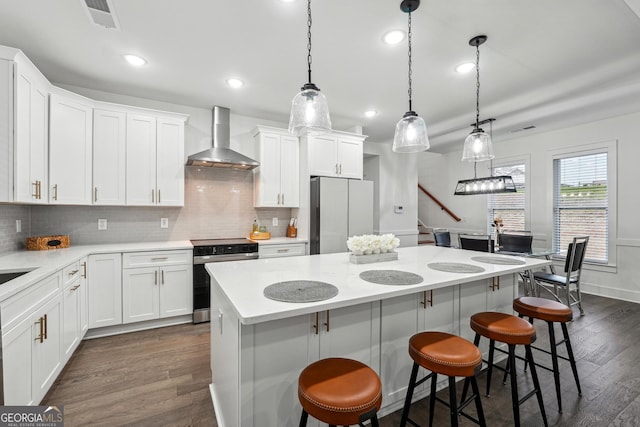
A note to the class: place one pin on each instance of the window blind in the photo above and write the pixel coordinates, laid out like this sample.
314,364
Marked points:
581,204
510,207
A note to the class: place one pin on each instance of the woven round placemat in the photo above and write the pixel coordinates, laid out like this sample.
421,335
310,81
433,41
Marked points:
300,291
501,260
391,277
455,267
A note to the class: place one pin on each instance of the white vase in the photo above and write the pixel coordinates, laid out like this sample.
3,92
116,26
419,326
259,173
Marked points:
357,252
367,252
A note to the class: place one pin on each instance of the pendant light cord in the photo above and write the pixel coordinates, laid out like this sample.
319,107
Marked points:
309,38
477,85
409,38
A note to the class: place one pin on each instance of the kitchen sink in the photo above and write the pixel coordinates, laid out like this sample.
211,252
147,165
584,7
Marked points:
5,277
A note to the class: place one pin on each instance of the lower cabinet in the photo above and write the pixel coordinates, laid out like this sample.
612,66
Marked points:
162,289
272,354
71,327
104,279
32,353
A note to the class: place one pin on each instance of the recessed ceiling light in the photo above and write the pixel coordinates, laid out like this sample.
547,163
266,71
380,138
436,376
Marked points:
135,60
371,113
465,68
235,83
393,37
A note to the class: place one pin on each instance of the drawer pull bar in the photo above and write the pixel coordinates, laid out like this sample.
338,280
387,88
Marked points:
161,258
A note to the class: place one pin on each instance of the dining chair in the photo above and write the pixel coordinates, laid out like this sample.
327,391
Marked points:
442,238
519,243
552,283
481,243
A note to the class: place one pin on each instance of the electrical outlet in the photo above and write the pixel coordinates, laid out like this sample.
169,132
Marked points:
102,224
274,221
18,226
164,222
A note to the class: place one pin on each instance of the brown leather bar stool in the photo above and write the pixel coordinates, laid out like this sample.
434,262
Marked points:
513,331
551,312
449,355
339,391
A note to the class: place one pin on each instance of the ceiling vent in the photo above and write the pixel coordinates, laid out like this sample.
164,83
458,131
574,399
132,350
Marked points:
101,13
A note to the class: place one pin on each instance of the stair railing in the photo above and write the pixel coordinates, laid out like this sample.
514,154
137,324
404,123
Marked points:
439,203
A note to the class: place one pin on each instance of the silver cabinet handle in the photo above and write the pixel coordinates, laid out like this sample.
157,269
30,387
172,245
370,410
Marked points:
35,189
283,198
160,258
336,169
153,196
95,194
340,169
84,269
159,196
162,274
74,272
155,277
55,192
283,251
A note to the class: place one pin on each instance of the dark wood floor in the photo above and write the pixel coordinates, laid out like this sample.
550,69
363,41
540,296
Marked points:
160,378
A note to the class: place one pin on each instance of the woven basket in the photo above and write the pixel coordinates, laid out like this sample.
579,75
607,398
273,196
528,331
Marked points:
41,243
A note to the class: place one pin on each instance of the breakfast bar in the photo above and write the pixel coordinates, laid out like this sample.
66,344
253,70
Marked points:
260,345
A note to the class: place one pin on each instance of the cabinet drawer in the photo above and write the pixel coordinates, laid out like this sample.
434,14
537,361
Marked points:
70,272
156,258
275,251
21,304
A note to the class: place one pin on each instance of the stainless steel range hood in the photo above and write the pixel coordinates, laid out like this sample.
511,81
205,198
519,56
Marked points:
221,155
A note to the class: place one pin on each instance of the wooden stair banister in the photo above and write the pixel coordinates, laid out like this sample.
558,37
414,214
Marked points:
439,203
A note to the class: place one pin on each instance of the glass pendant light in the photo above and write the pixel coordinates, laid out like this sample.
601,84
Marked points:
411,130
309,108
477,146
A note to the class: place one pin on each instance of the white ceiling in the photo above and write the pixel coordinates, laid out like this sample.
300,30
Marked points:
546,63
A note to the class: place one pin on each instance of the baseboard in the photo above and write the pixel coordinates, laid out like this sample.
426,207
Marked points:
608,292
138,326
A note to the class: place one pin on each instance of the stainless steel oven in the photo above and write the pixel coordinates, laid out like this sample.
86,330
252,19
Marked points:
214,250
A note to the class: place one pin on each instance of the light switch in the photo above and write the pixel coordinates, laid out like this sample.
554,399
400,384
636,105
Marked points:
18,226
102,224
274,221
164,222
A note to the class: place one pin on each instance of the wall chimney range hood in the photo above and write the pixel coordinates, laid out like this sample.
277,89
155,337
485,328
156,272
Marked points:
221,155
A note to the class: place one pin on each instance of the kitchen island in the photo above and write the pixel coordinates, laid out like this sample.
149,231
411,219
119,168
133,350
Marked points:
259,345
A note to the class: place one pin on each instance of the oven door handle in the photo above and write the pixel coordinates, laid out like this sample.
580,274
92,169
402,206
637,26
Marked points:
224,257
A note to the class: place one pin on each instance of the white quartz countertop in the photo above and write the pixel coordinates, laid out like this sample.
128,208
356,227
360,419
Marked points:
41,264
243,282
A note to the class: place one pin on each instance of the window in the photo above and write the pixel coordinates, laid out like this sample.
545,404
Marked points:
510,207
581,203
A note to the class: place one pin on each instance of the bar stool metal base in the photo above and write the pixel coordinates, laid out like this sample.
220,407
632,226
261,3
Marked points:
454,409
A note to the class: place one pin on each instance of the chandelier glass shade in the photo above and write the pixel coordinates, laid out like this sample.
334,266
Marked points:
309,108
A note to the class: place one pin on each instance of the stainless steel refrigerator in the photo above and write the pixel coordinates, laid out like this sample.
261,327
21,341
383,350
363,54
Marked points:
340,208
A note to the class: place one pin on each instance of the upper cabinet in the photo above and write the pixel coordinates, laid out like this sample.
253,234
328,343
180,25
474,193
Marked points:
57,147
276,180
155,160
338,154
24,118
109,145
70,147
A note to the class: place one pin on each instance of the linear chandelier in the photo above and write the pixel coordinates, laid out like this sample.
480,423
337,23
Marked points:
485,185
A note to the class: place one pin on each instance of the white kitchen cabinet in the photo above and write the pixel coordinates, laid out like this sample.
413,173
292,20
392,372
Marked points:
109,157
24,134
156,285
84,297
155,161
338,154
72,306
170,162
32,353
104,277
276,181
281,250
70,148
352,332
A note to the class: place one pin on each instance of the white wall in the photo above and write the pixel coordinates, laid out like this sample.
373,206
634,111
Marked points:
620,279
398,186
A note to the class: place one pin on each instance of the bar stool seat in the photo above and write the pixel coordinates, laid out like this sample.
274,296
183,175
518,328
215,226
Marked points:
512,331
449,355
551,312
503,327
339,391
543,309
